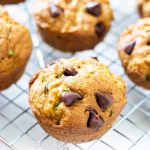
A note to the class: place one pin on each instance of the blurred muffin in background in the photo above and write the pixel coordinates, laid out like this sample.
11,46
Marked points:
144,8
73,25
15,49
3,2
134,51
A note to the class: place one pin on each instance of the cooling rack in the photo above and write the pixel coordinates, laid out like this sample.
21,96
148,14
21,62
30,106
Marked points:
19,129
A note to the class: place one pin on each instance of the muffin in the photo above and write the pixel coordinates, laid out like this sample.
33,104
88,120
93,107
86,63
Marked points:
144,8
73,25
134,51
76,100
15,49
10,1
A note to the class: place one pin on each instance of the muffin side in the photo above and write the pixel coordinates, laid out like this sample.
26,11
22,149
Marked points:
73,24
15,49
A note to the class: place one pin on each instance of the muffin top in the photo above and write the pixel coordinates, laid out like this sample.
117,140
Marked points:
15,43
73,15
78,93
134,48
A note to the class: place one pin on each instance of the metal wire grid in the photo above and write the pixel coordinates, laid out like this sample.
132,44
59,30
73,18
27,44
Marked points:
18,128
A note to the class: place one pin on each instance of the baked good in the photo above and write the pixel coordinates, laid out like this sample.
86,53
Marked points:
72,25
15,49
76,100
134,50
144,8
10,1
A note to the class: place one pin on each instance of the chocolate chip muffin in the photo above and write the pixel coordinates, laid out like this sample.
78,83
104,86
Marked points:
144,8
10,1
134,50
73,25
15,49
76,100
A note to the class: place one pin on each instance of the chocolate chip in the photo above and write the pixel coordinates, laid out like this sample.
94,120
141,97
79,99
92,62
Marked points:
94,57
56,11
99,29
128,47
94,121
148,77
148,43
94,8
70,72
70,97
103,100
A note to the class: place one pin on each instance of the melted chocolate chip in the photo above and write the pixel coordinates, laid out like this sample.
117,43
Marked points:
94,8
70,72
70,97
148,77
128,47
94,121
103,100
99,29
56,11
94,57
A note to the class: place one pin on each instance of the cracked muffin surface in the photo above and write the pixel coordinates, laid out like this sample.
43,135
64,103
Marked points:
76,100
15,49
80,24
134,50
144,8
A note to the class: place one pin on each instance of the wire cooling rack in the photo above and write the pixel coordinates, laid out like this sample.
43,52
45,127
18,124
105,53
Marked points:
20,131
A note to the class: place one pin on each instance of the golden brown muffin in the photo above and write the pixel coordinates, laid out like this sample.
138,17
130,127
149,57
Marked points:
134,50
73,25
144,8
10,1
15,49
76,100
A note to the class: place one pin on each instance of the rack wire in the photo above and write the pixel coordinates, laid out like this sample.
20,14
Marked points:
18,128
